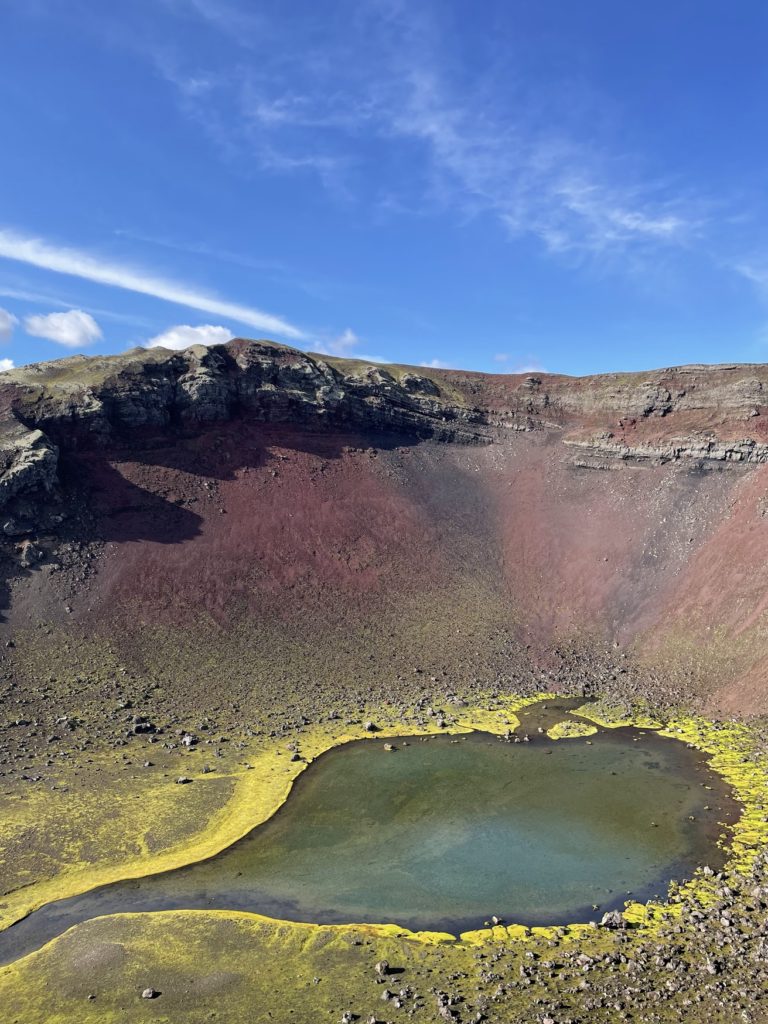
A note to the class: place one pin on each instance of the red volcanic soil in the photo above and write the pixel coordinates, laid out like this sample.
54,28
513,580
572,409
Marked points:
247,518
245,527
203,538
584,548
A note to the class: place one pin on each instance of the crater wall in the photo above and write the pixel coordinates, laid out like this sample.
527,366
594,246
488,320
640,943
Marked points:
253,524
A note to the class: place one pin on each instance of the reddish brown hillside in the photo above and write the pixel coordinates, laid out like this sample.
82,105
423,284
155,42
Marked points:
250,523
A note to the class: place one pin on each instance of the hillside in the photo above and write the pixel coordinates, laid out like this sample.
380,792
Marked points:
252,524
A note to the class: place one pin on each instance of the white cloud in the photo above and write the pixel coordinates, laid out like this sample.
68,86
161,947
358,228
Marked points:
552,174
501,357
6,364
182,336
74,329
529,368
7,322
435,364
758,275
344,346
39,253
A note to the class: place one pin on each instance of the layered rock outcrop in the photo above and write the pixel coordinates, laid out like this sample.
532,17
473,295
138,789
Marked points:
83,403
745,451
710,414
110,397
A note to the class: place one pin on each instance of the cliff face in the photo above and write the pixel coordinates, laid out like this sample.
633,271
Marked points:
701,413
277,519
85,403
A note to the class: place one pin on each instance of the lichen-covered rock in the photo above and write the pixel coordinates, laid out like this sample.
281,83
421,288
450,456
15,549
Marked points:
28,463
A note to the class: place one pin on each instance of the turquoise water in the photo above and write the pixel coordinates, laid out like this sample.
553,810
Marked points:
443,833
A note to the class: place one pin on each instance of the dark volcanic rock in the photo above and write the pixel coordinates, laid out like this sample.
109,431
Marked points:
84,403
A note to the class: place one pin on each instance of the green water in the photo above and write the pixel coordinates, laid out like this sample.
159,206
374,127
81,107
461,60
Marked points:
442,834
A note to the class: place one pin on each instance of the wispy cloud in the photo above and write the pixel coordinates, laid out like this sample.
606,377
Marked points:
25,295
527,364
316,109
230,18
45,299
268,269
73,329
7,323
756,273
203,249
48,256
6,364
182,336
345,346
529,368
569,196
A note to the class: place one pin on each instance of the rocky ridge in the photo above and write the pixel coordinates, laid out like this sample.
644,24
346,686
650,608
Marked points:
709,414
746,451
83,403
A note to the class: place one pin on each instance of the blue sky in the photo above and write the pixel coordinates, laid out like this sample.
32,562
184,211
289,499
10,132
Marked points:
500,185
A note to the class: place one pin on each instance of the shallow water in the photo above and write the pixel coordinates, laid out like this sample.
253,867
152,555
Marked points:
443,833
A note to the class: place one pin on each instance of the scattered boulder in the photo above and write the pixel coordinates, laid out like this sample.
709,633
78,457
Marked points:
614,919
382,969
141,724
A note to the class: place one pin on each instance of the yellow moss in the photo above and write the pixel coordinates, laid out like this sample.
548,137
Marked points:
571,730
610,717
228,965
732,754
257,792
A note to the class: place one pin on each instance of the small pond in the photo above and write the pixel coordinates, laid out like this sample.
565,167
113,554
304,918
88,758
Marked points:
442,833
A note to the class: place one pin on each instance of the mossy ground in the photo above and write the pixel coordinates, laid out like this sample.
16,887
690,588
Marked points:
119,820
125,820
571,730
734,753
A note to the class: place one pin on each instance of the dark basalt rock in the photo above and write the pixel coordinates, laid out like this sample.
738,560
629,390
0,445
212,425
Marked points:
614,919
87,403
